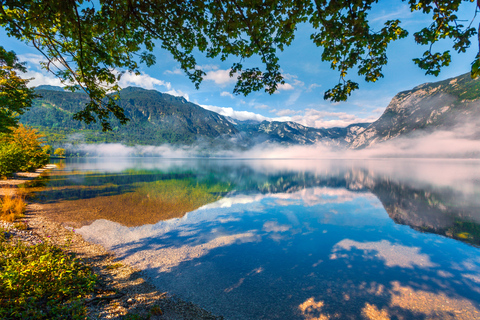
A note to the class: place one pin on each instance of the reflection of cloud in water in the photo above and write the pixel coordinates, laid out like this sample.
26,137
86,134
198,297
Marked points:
432,305
371,312
229,202
312,310
394,255
274,226
231,210
241,280
308,197
167,258
391,304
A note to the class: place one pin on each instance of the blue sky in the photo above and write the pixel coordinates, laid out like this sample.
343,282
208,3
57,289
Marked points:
307,77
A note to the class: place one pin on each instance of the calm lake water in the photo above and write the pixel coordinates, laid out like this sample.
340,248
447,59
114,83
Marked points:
287,239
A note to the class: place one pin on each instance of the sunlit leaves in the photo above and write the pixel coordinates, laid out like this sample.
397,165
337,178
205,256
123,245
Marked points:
476,67
348,42
15,97
93,43
445,25
42,282
433,62
341,91
21,150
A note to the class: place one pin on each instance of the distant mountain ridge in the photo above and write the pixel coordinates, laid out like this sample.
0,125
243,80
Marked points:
429,107
157,118
292,133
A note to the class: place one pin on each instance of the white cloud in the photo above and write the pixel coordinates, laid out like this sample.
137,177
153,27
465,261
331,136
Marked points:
227,94
309,117
294,78
298,83
325,119
35,72
285,112
34,59
174,71
378,110
293,98
284,87
178,93
147,82
402,12
207,67
221,77
239,115
313,86
41,78
143,80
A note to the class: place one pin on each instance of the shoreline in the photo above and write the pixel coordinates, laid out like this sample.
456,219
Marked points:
122,292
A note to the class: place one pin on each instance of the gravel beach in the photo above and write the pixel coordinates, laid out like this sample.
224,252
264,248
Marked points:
122,292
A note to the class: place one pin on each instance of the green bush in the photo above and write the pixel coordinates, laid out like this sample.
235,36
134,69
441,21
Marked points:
48,149
42,282
21,151
59,152
10,154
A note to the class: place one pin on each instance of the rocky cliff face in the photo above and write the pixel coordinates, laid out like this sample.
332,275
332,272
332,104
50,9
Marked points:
443,105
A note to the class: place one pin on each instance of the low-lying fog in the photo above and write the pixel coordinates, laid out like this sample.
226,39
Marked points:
460,143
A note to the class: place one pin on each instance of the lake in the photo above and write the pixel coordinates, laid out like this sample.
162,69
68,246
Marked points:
286,239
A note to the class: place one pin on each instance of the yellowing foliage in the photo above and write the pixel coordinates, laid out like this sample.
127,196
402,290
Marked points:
12,208
21,151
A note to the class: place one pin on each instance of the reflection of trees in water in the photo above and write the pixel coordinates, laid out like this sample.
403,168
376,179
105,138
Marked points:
439,211
426,209
131,198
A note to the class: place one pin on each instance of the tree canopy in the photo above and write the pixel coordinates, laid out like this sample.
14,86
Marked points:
15,96
92,43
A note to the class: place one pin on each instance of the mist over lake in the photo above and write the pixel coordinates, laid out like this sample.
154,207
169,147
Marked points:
286,239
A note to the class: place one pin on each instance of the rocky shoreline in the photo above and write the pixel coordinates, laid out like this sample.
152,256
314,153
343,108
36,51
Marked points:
121,292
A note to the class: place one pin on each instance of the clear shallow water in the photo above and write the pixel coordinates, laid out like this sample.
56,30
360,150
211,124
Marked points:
281,239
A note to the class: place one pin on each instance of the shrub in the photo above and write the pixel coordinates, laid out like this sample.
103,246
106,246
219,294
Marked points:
10,155
42,282
30,142
59,152
12,208
21,151
48,149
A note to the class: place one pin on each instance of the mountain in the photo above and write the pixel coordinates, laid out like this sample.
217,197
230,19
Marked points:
292,133
49,87
444,105
157,118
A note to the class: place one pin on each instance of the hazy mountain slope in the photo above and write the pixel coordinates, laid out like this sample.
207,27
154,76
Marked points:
291,133
443,105
155,118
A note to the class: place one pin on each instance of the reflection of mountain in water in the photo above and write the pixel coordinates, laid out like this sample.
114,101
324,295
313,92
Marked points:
422,204
441,211
437,211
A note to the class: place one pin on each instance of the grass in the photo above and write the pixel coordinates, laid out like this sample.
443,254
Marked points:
21,225
41,282
12,208
114,266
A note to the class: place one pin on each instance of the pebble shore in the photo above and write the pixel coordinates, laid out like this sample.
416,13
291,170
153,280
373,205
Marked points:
122,292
